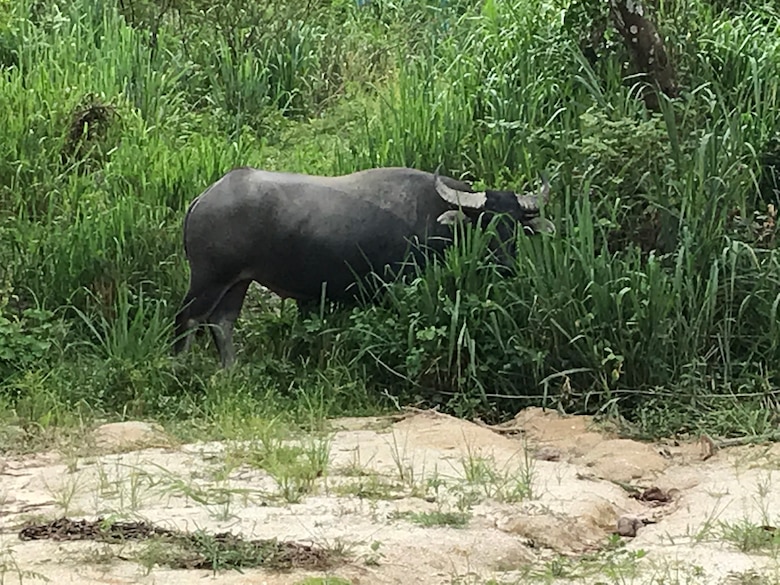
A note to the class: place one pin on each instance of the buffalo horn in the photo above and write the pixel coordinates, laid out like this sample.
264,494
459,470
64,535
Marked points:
455,197
531,202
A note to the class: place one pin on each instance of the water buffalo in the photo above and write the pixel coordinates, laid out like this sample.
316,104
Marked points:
306,236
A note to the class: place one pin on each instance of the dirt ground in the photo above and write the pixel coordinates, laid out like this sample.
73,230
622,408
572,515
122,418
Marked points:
425,498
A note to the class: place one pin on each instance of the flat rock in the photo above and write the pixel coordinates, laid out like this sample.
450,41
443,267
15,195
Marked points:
624,460
563,533
129,436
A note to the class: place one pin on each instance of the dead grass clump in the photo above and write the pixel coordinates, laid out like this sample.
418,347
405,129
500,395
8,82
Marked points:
182,550
88,128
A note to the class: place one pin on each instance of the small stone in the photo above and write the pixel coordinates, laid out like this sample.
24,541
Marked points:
548,454
628,525
655,494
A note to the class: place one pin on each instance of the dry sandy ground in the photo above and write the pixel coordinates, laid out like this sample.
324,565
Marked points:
380,472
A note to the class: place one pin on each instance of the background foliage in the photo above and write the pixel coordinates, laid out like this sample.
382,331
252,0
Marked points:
657,300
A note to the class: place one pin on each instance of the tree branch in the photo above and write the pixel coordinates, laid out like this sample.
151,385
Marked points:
647,49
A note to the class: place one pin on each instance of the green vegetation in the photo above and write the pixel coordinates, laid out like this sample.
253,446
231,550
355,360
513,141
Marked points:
657,300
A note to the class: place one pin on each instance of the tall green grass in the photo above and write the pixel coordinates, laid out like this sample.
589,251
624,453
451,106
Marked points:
657,299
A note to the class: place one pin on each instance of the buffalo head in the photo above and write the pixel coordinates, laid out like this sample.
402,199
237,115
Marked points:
522,208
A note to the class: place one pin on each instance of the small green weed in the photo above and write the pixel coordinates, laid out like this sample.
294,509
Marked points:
482,477
295,466
370,487
435,518
750,537
11,572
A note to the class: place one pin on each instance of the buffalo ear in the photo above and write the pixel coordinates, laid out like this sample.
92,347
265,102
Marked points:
451,217
541,225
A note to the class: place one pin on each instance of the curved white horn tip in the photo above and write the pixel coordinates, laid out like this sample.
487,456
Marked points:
545,190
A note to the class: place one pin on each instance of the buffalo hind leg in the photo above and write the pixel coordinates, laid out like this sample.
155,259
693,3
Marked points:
223,317
198,304
182,336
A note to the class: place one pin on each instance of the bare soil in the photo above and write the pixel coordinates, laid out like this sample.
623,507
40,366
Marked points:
539,500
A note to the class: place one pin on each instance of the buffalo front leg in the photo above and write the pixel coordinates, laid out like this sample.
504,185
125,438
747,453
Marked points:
307,308
222,319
